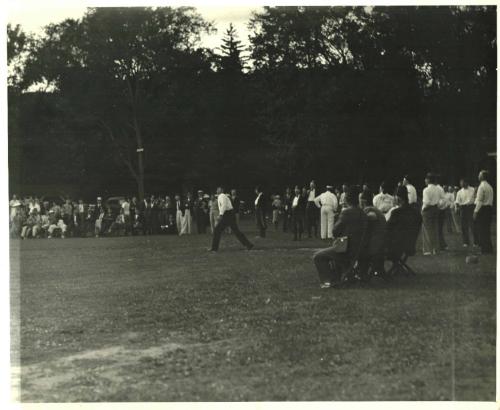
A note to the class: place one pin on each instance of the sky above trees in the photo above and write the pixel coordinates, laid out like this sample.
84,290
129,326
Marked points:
33,16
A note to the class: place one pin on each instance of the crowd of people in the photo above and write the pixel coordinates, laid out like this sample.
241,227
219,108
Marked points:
304,211
32,217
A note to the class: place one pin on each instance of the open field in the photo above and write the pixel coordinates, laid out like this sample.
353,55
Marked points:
160,319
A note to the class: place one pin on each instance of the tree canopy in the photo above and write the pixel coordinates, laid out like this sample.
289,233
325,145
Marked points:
134,102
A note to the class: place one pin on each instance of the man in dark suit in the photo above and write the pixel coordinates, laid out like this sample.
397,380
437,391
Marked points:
201,212
403,227
352,223
236,201
260,211
297,210
287,209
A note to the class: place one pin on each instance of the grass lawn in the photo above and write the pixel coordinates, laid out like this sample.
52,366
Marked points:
160,319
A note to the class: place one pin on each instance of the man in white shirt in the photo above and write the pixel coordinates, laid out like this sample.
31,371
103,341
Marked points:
260,211
443,207
178,212
226,218
383,201
465,205
126,216
430,213
483,213
412,192
312,210
329,204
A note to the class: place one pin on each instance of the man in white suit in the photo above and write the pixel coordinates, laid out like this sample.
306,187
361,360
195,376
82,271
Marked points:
328,203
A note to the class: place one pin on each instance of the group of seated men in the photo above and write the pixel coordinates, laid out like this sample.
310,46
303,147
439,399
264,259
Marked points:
371,238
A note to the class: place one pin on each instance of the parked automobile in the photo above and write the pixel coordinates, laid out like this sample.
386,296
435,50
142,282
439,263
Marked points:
113,202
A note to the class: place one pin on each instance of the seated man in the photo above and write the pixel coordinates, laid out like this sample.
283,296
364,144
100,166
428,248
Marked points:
352,223
377,228
118,225
55,225
37,223
30,224
403,228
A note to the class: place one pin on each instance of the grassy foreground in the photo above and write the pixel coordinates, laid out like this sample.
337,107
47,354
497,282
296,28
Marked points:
160,319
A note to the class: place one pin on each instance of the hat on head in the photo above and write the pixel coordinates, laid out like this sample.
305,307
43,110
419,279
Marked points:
206,196
99,198
51,211
329,187
200,191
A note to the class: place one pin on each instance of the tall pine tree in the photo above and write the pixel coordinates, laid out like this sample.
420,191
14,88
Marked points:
231,59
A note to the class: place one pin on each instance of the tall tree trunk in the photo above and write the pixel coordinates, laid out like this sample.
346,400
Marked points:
138,138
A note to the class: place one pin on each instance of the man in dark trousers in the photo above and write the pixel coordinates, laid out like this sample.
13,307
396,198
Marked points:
483,213
312,211
236,201
287,209
297,210
201,212
352,223
226,218
260,211
465,203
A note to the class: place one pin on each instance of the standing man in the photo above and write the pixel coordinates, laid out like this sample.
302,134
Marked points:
443,207
226,218
412,192
126,216
178,213
328,203
287,209
260,211
235,200
483,212
430,199
298,206
312,210
465,204
201,211
342,196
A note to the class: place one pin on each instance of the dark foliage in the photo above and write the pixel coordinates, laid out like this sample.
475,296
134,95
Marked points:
334,93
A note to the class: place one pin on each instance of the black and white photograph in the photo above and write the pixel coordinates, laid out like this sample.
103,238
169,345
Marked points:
251,203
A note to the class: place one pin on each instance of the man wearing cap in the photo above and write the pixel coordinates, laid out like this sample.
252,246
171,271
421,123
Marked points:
226,218
328,203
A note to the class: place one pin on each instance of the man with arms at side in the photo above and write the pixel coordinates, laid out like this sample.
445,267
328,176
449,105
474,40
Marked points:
236,201
260,211
298,207
483,213
465,205
430,213
312,210
225,219
328,203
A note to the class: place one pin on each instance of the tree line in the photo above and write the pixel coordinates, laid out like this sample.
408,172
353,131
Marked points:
128,100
